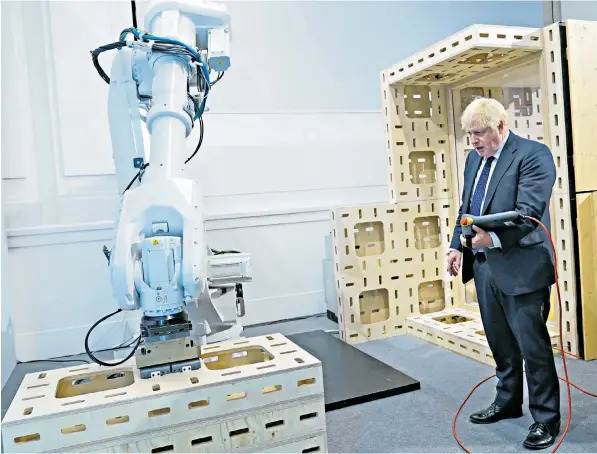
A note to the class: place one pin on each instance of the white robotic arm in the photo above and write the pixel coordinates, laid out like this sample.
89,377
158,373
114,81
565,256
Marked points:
159,261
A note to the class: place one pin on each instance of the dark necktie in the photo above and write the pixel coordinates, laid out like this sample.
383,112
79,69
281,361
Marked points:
477,199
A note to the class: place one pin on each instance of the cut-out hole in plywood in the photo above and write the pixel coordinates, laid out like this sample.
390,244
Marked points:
417,101
452,319
226,359
158,412
369,239
273,424
431,297
374,306
305,382
198,404
27,439
422,167
110,396
482,58
73,429
201,441
308,416
434,77
271,389
522,101
236,396
117,420
427,232
468,95
73,402
238,432
79,385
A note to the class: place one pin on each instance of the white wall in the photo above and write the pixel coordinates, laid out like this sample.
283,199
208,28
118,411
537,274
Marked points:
581,10
558,10
295,128
7,342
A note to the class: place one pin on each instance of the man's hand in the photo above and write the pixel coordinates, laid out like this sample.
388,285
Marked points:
481,239
454,261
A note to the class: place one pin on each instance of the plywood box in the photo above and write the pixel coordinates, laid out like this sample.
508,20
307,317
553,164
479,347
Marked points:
389,264
458,330
249,395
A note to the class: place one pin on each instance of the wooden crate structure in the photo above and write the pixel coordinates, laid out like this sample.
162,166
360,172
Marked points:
544,77
261,394
389,265
459,330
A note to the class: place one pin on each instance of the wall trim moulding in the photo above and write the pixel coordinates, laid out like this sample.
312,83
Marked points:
293,112
103,230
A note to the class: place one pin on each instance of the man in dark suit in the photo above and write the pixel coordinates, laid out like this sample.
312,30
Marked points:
512,269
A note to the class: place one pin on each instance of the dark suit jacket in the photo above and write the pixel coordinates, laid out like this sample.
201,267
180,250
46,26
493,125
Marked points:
522,180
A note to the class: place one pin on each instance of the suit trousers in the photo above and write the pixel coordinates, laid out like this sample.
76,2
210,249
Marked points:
515,326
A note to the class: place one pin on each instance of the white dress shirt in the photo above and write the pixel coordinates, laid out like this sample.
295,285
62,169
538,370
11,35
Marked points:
494,237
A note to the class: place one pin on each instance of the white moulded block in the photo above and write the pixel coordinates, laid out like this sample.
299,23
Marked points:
75,408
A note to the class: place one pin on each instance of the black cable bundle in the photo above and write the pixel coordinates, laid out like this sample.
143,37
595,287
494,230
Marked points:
103,363
95,57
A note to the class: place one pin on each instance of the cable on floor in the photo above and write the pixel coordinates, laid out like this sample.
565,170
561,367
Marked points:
565,379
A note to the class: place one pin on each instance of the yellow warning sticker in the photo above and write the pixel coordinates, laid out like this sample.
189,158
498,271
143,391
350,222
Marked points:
156,241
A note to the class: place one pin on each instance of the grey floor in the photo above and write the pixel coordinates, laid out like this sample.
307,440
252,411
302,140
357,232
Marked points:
421,421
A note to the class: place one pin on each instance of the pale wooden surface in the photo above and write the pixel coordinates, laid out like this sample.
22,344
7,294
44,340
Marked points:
581,41
400,276
554,115
587,237
417,142
458,330
466,54
581,37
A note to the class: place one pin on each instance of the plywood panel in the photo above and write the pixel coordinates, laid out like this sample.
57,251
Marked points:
581,37
553,85
416,129
389,263
460,331
471,51
587,238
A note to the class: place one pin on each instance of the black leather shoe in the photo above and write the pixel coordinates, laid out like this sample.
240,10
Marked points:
542,435
495,413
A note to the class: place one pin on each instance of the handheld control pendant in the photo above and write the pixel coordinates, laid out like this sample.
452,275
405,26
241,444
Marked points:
491,222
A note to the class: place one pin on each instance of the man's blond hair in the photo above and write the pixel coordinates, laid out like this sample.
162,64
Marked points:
484,113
